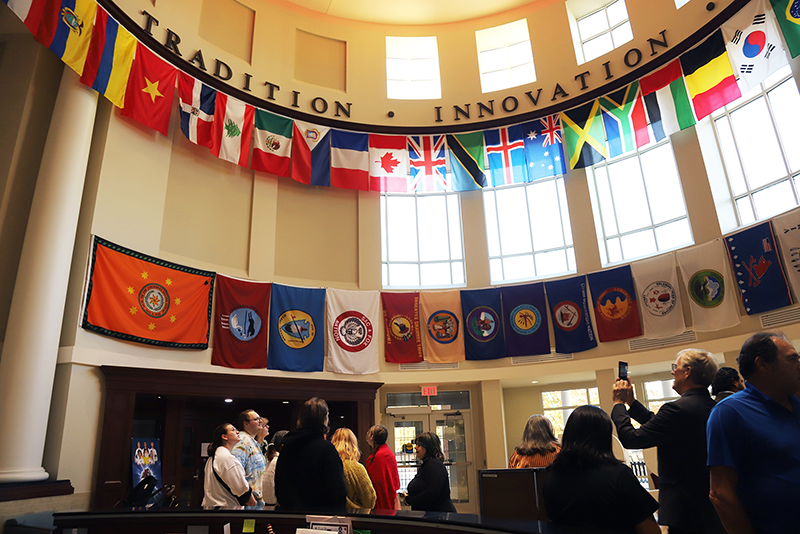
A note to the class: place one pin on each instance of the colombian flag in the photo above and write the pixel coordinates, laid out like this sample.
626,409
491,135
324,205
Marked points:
135,297
709,76
109,60
66,29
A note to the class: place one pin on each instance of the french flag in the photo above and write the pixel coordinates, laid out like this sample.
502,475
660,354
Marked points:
197,110
311,154
233,129
350,160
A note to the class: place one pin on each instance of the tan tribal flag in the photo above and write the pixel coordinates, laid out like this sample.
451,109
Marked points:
711,288
441,311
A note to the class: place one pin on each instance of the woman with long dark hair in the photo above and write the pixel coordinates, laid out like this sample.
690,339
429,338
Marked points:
382,469
430,489
225,484
538,447
587,486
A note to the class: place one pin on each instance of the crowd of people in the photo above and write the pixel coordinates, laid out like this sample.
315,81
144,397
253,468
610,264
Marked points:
725,464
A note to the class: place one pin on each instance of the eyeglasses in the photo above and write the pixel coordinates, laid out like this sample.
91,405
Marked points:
675,367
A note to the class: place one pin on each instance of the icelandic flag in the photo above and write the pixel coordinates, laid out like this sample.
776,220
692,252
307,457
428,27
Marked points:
350,160
296,329
505,148
544,147
28,11
388,163
198,102
616,312
483,324
311,154
427,155
569,309
754,257
109,59
525,320
233,129
66,29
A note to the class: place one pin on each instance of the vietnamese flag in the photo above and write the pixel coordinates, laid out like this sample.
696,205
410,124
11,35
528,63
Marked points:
616,311
151,86
136,297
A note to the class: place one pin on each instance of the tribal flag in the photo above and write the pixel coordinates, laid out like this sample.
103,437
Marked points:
757,269
272,146
525,320
667,101
788,14
569,309
505,150
616,312
401,324
709,76
544,148
311,154
349,160
66,29
353,331
708,282
109,59
427,155
624,120
233,129
483,324
467,161
584,135
388,163
151,86
296,315
787,230
754,44
240,328
29,11
136,297
197,104
656,281
441,311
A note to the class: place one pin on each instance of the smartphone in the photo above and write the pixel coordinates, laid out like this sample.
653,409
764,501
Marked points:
623,370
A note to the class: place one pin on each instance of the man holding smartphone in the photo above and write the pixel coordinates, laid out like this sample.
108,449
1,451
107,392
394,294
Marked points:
679,432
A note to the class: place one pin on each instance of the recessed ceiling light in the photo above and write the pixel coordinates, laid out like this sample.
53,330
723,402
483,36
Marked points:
341,417
228,400
534,381
286,402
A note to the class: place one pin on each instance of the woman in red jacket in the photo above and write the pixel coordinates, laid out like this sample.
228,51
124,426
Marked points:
382,469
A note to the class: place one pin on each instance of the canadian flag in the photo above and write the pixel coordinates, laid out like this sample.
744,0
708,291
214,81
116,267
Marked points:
388,163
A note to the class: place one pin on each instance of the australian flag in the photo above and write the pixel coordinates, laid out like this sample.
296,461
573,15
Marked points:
758,272
427,160
544,147
505,148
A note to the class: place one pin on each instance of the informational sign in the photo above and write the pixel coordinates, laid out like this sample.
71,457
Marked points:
429,391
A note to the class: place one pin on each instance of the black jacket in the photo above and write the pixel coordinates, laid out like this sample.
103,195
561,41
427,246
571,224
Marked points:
430,489
309,476
679,432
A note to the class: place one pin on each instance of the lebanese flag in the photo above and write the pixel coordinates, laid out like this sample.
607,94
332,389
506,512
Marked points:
349,160
233,128
388,163
311,154
240,323
197,110
28,11
151,86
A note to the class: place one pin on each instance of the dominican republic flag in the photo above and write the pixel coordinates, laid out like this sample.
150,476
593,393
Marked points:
401,326
109,60
787,231
616,312
544,148
240,325
197,110
525,320
569,309
233,129
311,154
754,44
656,280
28,11
272,144
754,258
427,159
483,324
624,120
349,160
441,311
505,150
710,286
296,342
353,331
388,163
667,101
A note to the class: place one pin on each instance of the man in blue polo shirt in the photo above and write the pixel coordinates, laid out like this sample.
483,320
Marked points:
754,441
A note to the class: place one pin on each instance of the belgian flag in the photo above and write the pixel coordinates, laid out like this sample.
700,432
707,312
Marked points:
709,76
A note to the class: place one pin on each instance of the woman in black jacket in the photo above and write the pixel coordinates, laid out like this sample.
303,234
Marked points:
430,489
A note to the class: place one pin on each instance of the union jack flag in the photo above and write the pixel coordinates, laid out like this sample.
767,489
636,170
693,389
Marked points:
428,163
551,130
505,149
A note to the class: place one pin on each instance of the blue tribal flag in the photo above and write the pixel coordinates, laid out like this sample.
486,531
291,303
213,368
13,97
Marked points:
569,309
544,147
525,320
758,272
483,324
296,329
505,150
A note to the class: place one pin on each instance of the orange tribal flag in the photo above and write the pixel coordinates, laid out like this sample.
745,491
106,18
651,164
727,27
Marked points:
136,297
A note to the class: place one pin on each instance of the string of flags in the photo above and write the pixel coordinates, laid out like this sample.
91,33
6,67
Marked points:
702,80
140,298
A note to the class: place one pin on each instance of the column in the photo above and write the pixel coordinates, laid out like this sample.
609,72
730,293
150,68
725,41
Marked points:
28,361
494,431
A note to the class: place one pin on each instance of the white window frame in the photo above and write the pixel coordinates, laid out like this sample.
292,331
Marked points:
501,38
409,54
569,408
581,40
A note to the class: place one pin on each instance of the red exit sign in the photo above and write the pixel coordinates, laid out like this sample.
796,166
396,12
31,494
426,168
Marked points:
429,391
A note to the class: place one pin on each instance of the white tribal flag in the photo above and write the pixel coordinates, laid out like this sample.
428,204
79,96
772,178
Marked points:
352,323
710,285
656,282
787,232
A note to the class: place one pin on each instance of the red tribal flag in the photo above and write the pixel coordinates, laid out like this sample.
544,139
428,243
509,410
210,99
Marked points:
151,85
240,325
136,297
401,325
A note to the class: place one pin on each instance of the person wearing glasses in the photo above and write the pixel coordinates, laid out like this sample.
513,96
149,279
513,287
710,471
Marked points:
248,452
679,432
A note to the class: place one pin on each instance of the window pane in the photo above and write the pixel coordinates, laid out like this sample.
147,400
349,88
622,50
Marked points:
518,267
515,229
574,397
454,218
663,184
674,235
638,244
746,213
402,243
398,69
614,250
562,200
594,396
729,155
425,69
628,190
495,81
777,76
785,101
774,199
401,274
548,263
397,89
617,12
432,224
520,53
384,275
551,399
622,34
758,145
435,274
593,24
496,270
384,253
604,198
425,89
495,59
571,260
543,204
597,46
458,272
492,230
523,74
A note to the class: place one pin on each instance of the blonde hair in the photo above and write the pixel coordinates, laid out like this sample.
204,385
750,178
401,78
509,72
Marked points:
346,444
703,365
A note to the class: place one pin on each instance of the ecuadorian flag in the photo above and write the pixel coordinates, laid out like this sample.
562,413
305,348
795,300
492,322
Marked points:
109,59
66,29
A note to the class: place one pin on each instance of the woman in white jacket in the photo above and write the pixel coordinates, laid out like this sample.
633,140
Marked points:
225,484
